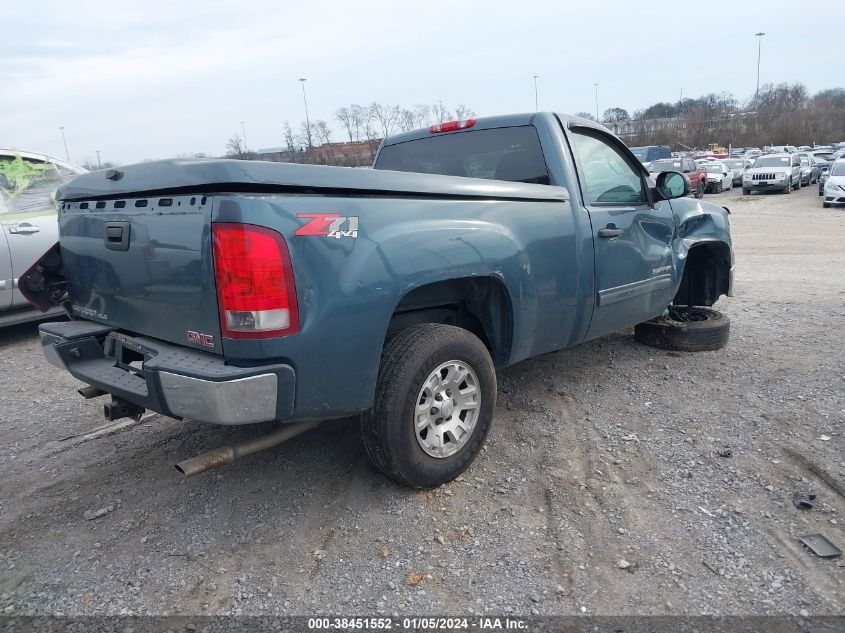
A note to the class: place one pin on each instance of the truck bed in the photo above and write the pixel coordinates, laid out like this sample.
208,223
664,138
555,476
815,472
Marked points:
221,175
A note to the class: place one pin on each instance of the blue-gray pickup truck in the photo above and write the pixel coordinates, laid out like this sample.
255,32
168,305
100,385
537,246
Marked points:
235,292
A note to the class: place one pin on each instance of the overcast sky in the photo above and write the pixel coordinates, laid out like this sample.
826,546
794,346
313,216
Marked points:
154,79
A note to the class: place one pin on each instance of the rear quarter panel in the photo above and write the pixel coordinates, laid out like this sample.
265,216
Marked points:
347,288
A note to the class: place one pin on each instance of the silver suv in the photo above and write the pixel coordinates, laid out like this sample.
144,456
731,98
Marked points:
773,172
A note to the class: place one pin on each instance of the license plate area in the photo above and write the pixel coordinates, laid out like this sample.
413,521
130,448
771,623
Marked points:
127,353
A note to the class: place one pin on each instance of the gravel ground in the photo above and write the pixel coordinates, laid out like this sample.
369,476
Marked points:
617,479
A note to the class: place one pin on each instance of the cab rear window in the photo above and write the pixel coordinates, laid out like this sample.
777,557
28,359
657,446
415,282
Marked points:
509,153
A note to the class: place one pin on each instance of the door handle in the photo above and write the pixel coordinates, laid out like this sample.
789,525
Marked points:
24,229
610,231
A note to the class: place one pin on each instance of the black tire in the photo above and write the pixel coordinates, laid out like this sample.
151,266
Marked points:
699,191
825,205
799,183
718,187
686,329
746,192
788,188
388,429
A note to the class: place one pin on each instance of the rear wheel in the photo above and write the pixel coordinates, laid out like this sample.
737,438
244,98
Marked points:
686,329
745,191
433,406
799,183
699,191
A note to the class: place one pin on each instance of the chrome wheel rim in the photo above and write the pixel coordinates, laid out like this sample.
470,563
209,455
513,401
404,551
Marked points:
447,408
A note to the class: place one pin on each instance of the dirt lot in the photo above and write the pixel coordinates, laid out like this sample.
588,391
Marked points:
679,467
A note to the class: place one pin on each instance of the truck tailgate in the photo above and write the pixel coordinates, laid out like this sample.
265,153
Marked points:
143,265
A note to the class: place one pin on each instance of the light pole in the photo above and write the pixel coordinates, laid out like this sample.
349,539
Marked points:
597,102
64,140
535,92
759,37
99,164
302,80
243,130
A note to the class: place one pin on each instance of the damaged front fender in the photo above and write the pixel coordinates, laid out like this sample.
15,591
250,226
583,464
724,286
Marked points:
703,252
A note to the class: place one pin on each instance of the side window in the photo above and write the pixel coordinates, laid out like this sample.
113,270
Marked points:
607,175
689,165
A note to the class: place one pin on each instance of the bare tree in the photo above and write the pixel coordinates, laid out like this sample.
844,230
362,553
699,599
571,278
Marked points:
324,136
369,126
613,115
440,113
407,120
585,115
290,141
422,115
463,112
345,116
306,134
323,132
360,115
234,147
386,116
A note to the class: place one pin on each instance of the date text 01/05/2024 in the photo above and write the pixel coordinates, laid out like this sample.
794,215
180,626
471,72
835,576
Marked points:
427,623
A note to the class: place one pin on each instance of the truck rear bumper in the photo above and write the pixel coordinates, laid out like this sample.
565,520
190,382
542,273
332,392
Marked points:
173,380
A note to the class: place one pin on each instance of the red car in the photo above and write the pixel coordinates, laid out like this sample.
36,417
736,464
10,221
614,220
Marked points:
697,175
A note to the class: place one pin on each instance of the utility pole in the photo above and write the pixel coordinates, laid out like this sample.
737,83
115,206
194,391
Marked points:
64,140
302,80
597,101
243,130
99,164
759,37
678,117
535,93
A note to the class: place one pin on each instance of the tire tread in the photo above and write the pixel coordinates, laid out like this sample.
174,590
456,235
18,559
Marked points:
403,355
696,336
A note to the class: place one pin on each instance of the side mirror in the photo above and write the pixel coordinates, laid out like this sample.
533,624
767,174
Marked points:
672,184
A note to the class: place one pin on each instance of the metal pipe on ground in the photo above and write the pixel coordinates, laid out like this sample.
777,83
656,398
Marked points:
228,454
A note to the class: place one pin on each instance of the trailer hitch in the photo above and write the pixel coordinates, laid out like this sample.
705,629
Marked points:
119,408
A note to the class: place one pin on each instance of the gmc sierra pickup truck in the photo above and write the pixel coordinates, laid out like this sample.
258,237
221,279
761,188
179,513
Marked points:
235,292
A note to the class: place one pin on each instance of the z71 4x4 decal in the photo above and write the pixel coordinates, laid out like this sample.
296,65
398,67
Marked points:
328,224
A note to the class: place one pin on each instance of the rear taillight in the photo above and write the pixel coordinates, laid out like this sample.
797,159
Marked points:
451,126
255,288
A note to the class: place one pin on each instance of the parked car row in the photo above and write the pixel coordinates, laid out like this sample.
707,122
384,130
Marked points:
832,184
753,171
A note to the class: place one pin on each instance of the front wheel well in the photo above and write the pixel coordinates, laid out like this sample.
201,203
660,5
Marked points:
707,275
478,304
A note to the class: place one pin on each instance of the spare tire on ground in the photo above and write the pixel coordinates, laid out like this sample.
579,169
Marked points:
686,329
